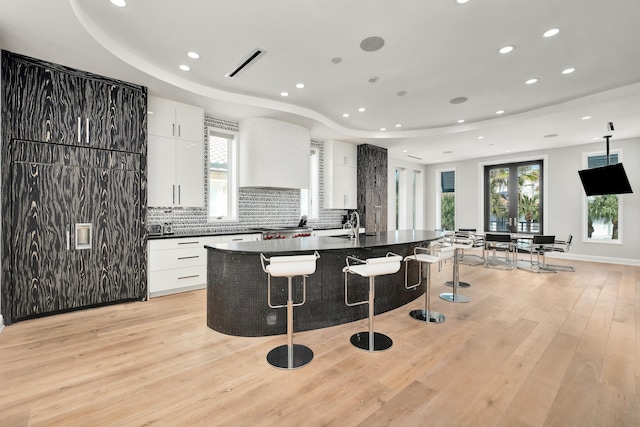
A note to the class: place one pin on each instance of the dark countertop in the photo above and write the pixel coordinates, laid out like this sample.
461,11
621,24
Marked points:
182,234
329,243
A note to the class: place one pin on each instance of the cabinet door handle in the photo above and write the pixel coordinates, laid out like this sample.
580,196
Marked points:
189,257
178,131
188,277
68,235
173,129
237,240
173,191
79,130
179,194
188,243
87,130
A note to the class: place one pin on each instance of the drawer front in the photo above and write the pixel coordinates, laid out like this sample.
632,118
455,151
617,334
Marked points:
182,243
177,258
177,278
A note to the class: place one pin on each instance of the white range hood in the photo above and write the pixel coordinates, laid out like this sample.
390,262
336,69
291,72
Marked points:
273,154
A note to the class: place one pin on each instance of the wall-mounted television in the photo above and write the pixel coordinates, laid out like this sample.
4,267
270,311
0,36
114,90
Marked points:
610,179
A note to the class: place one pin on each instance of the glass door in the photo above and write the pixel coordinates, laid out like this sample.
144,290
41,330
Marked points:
513,198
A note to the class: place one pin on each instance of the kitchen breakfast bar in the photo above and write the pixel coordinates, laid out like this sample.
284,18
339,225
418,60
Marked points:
237,285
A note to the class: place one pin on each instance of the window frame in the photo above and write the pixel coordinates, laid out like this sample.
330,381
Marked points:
312,210
585,203
438,182
232,195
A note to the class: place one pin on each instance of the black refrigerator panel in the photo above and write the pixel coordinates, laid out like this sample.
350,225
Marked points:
75,228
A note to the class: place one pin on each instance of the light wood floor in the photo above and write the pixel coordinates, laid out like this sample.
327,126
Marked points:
528,350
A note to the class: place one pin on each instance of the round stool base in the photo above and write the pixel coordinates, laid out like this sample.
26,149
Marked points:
460,284
447,296
432,317
279,356
381,342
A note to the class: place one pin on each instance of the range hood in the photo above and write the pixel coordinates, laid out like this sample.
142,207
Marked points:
273,154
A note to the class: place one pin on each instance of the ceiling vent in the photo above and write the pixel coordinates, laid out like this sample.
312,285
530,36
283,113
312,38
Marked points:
414,157
246,62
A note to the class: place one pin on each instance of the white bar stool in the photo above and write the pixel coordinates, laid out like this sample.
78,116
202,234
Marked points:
372,267
460,243
428,256
455,296
290,356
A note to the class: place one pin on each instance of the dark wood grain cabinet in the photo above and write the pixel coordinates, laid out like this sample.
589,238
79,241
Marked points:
74,189
53,103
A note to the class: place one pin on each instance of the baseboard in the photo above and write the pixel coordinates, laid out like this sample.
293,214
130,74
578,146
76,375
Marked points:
591,258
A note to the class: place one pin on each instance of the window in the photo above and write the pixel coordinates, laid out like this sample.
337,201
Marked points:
223,190
401,198
447,205
310,198
513,195
417,200
602,215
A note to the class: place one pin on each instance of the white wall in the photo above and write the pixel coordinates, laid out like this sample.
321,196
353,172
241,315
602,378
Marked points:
564,198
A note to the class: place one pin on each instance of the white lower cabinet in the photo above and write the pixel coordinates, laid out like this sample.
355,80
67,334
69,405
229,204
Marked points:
180,264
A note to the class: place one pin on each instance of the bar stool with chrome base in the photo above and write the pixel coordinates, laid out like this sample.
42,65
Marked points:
290,356
372,267
454,296
460,242
431,255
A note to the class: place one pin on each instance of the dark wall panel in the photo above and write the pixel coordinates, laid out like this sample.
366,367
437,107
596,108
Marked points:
372,186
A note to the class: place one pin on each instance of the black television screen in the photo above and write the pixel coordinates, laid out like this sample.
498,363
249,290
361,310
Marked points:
609,179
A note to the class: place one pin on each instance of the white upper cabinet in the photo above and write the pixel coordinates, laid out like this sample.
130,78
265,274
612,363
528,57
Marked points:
175,120
340,175
175,154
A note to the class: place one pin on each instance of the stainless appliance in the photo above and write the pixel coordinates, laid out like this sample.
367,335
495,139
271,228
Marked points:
284,232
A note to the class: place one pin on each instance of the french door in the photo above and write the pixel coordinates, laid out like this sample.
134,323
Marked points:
513,198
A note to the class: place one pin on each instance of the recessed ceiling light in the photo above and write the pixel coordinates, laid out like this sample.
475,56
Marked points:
568,70
481,137
586,117
383,129
500,112
119,3
149,112
531,81
300,85
461,121
345,115
336,60
371,44
184,67
459,100
595,139
551,32
193,55
398,125
505,49
284,93
362,109
404,151
462,1
507,151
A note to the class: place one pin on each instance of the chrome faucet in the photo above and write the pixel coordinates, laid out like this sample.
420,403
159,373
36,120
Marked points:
354,225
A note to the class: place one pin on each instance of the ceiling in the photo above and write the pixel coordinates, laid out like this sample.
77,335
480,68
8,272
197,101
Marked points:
433,52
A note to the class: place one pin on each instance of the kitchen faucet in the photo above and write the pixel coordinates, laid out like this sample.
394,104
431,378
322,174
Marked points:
354,230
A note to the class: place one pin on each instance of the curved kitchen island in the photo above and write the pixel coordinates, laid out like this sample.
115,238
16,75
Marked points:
237,285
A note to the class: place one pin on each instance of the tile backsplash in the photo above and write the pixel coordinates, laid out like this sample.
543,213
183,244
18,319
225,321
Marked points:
257,207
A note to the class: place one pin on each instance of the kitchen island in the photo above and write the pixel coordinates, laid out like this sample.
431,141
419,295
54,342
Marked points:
237,285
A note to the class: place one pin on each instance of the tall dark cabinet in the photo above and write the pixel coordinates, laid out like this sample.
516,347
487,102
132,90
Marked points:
73,189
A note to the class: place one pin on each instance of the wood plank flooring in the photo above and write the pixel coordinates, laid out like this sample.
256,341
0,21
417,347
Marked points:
528,350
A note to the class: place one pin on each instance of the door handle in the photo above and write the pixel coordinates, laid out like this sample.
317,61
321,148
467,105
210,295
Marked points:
79,130
87,122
